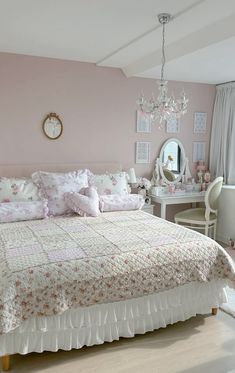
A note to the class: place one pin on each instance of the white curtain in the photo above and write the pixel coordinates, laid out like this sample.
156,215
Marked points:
222,150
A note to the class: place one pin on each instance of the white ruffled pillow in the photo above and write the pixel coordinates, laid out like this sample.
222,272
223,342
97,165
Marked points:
17,211
85,203
116,202
53,186
15,189
115,183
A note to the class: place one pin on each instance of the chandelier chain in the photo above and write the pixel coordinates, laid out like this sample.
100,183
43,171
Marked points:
163,52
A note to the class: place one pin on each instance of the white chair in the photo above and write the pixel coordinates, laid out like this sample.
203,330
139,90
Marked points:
203,218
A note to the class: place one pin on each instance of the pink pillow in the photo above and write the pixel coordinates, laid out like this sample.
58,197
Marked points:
116,183
85,203
53,185
17,211
116,202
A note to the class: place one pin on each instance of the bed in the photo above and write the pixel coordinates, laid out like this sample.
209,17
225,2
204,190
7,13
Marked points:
69,282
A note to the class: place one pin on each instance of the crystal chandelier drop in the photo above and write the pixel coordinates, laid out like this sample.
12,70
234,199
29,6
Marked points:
163,108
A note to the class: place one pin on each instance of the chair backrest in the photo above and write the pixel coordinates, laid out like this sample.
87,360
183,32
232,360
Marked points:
169,175
212,196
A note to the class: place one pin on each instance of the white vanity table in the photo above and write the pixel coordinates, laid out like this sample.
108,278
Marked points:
172,199
171,168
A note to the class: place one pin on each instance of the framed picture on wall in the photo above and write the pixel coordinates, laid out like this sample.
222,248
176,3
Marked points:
200,122
173,125
142,152
199,151
143,122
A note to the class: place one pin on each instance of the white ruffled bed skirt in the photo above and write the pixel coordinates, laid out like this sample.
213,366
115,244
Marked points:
97,324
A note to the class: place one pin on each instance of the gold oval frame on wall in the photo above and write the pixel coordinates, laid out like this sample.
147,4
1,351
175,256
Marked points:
52,126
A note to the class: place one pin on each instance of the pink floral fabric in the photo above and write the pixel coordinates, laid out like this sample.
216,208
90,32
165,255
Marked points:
111,183
52,265
17,211
53,186
14,189
115,202
85,203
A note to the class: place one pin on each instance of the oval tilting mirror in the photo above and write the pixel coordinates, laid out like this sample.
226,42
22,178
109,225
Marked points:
172,161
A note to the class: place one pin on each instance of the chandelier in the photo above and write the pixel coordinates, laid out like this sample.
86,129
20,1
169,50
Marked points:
163,108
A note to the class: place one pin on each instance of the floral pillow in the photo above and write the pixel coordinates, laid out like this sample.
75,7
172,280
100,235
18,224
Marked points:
14,189
53,186
85,203
117,202
111,183
17,211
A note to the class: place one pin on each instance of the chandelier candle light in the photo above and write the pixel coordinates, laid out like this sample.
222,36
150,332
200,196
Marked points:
163,108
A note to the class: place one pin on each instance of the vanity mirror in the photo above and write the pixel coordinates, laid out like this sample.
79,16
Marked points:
172,163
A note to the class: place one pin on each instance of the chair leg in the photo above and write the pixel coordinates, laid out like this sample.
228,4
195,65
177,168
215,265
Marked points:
215,230
206,230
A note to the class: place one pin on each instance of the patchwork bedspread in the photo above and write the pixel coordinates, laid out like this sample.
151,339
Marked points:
51,265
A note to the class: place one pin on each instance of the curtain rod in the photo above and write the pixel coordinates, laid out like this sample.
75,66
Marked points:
232,81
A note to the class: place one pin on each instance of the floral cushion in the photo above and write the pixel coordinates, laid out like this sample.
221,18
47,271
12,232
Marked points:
116,202
111,183
85,203
14,189
54,185
17,211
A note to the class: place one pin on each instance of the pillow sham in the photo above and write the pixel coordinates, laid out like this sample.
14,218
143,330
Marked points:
17,211
116,202
16,189
85,203
111,183
53,185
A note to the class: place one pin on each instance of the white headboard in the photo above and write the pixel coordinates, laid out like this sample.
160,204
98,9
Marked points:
25,170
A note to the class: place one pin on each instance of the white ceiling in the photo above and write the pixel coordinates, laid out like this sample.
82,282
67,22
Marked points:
200,40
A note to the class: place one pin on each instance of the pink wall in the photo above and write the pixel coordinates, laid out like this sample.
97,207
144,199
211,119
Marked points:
97,106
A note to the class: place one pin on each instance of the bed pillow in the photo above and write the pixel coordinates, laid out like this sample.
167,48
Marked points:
14,189
17,211
111,183
116,202
53,186
85,203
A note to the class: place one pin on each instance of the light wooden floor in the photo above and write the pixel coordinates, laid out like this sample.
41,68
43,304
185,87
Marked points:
203,344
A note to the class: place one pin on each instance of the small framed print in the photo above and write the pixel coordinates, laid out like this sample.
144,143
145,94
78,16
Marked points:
200,122
143,122
199,151
173,125
142,152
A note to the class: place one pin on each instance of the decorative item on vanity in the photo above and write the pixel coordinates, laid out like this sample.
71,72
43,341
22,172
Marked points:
143,186
164,107
207,177
201,167
172,155
132,178
52,126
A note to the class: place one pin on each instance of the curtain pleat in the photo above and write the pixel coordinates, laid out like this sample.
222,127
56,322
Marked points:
222,149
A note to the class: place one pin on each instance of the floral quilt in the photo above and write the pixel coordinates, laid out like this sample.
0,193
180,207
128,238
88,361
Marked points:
49,266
